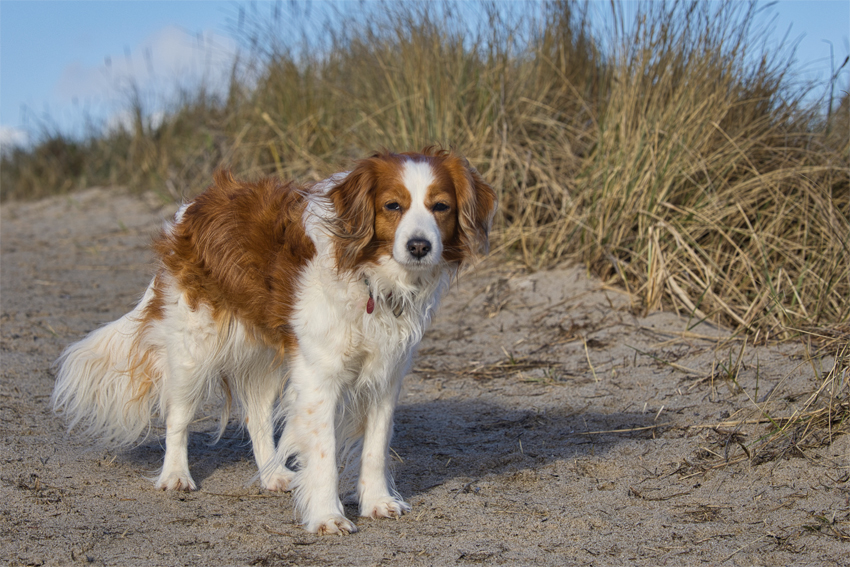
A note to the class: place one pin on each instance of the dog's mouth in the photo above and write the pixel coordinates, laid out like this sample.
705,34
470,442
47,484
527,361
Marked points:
419,264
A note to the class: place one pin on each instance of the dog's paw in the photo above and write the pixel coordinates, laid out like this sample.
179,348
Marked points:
176,481
278,481
385,507
333,525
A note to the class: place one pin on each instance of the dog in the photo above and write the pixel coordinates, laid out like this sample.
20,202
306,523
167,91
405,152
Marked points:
305,304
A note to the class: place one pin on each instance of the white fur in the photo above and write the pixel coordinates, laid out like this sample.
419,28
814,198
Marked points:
336,391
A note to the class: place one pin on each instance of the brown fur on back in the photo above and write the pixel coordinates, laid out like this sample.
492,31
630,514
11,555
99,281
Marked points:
239,249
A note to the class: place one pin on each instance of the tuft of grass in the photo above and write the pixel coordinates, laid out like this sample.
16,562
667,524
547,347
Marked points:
822,416
668,152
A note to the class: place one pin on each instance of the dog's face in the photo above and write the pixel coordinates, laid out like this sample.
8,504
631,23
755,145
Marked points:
419,209
415,214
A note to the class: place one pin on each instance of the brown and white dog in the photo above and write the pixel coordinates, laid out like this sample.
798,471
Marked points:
306,304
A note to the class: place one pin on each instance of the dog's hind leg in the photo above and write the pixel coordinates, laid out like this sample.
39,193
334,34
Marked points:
191,362
180,401
261,395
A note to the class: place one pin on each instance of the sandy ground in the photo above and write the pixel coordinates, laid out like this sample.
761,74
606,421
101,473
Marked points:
544,424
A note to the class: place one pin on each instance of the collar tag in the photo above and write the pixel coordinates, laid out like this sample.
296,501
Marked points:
370,303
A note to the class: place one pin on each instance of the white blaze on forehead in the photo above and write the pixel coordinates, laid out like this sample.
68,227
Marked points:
417,176
418,221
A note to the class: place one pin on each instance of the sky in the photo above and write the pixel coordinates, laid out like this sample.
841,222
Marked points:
65,64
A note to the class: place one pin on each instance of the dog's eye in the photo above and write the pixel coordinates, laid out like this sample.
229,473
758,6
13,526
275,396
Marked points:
440,208
392,206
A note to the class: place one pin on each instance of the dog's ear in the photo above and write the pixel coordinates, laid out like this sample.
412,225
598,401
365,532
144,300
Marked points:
476,207
353,225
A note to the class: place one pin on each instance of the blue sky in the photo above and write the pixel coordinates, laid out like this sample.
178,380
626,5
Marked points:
61,61
64,61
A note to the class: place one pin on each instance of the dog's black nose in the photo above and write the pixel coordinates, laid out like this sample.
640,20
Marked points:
418,247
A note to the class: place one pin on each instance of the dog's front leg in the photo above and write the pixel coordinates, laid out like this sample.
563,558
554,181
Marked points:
378,498
310,433
377,495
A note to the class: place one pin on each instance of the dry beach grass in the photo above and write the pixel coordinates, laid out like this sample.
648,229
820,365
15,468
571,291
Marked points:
673,155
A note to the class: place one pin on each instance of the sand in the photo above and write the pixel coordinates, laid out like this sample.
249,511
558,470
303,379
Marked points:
544,423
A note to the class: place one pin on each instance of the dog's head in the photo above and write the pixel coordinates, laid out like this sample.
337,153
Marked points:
420,209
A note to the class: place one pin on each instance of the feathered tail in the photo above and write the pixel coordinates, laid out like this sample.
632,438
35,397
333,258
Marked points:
109,383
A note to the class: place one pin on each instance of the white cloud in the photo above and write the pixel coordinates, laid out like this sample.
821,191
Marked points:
11,138
167,61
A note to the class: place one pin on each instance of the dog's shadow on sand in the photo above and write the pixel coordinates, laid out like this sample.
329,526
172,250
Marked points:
438,441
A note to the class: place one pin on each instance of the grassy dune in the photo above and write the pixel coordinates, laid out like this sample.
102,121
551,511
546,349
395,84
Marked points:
669,153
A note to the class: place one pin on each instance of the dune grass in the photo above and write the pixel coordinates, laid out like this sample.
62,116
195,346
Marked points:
670,153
